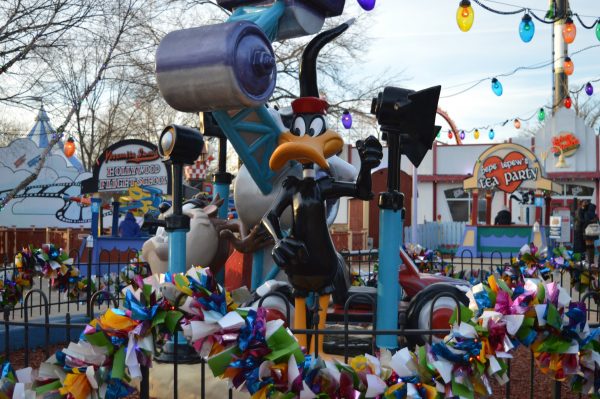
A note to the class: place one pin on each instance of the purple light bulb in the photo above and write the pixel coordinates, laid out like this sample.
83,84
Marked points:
589,89
462,134
347,119
367,5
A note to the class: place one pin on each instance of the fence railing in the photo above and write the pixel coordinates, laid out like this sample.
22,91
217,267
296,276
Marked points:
467,267
444,235
39,332
528,383
105,276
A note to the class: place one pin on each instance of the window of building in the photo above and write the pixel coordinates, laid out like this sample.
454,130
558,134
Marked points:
460,203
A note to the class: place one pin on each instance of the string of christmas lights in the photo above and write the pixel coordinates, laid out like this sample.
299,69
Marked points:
494,79
540,113
465,16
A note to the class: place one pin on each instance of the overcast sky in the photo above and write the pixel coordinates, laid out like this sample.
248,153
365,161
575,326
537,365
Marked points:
422,38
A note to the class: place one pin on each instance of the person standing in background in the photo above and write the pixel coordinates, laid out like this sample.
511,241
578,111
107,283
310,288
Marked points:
590,231
579,227
129,227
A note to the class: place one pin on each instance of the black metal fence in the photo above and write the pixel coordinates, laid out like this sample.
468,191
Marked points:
38,326
474,269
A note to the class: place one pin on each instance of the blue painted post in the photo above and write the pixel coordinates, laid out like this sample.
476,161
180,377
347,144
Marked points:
177,251
273,273
221,187
223,190
96,204
258,259
178,224
388,287
115,219
390,238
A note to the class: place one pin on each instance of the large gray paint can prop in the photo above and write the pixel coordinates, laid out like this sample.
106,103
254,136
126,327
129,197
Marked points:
216,67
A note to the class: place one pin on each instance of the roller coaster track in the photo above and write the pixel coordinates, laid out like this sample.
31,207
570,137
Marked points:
41,191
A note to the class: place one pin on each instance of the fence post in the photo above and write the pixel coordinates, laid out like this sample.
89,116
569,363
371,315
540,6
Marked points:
556,387
88,289
145,383
6,331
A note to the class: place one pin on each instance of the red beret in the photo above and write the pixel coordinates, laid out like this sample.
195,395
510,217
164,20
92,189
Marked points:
310,105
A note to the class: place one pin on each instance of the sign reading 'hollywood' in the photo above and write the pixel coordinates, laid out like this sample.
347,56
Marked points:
127,164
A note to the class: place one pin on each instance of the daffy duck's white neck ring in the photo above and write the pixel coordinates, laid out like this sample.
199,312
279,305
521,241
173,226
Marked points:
308,171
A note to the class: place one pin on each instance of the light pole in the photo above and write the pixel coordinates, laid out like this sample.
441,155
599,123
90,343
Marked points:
178,146
407,122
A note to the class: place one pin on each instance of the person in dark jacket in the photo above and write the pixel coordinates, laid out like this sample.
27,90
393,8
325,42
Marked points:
589,218
503,217
579,228
129,227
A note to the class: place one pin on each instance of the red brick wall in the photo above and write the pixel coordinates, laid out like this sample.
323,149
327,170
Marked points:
380,185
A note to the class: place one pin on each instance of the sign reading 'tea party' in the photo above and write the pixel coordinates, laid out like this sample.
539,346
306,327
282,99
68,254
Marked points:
508,173
508,167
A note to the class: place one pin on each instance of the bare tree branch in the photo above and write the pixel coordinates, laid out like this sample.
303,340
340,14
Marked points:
76,105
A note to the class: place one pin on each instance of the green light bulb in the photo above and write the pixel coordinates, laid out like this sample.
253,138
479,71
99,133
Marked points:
541,115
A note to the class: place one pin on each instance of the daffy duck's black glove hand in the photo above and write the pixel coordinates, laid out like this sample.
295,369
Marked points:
370,152
289,252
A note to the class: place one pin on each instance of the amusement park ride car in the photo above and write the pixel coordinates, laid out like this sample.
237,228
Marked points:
229,69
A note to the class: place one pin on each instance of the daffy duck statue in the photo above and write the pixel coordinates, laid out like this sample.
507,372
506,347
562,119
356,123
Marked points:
307,254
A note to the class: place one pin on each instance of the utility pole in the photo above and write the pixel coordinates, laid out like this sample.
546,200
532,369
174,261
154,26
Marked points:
560,84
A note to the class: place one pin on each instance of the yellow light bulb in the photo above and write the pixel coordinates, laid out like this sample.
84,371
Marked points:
465,15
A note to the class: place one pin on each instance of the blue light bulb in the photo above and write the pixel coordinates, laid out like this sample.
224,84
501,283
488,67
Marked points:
491,134
496,87
367,5
526,28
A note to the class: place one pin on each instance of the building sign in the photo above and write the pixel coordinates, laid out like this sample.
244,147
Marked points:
508,167
555,227
128,164
508,173
567,142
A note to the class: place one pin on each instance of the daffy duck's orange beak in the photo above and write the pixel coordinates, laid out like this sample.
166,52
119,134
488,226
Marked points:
306,149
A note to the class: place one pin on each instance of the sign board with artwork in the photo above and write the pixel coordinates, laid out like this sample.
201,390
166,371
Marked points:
53,199
508,167
128,164
566,143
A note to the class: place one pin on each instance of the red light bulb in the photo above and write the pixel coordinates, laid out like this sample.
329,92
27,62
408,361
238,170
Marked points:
568,102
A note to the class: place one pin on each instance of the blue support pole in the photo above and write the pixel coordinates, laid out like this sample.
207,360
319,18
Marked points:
388,285
221,187
273,273
258,259
177,251
178,224
223,190
96,214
